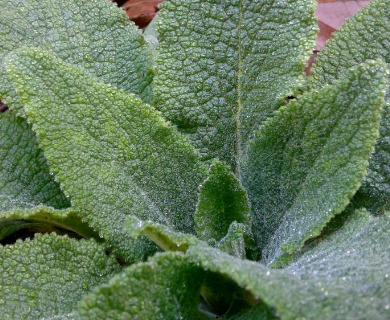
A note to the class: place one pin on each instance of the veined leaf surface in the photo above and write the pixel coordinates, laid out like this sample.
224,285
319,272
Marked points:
345,276
107,147
307,161
365,36
165,287
219,72
48,275
95,35
25,179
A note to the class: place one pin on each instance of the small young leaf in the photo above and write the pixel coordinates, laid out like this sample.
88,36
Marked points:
95,35
48,275
224,66
113,155
165,287
233,242
25,179
346,275
222,200
308,160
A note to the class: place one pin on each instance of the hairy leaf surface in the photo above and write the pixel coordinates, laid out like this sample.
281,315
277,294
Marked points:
345,276
365,36
216,86
165,287
307,161
113,155
43,219
25,179
48,275
95,35
222,200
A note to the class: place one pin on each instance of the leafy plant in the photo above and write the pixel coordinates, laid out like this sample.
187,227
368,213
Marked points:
197,173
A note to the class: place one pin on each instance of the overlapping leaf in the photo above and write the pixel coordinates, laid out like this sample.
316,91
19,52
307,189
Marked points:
365,36
165,287
44,219
113,155
25,179
94,35
345,276
307,161
48,275
216,86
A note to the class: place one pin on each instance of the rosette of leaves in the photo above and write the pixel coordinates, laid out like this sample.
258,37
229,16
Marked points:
195,174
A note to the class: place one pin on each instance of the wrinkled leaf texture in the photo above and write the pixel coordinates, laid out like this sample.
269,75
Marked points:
124,157
121,163
217,86
365,36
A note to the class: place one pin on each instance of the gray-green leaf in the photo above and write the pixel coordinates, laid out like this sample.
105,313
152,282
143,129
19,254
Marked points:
165,287
48,275
365,36
44,219
346,276
223,67
25,179
95,35
307,161
113,155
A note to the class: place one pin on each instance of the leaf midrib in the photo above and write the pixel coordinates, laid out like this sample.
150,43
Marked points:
239,92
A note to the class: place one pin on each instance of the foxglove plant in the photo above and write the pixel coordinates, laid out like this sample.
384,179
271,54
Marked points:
193,171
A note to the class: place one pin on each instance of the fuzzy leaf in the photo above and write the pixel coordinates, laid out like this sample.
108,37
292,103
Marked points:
345,276
308,160
233,242
107,147
25,180
43,219
95,35
166,238
165,287
222,200
365,36
48,275
216,86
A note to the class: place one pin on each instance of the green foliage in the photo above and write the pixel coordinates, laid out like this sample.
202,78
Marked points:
49,274
267,207
218,85
292,162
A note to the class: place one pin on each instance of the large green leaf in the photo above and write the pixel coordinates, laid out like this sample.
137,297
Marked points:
307,161
224,66
95,35
346,276
113,155
43,219
365,36
48,275
165,287
25,179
